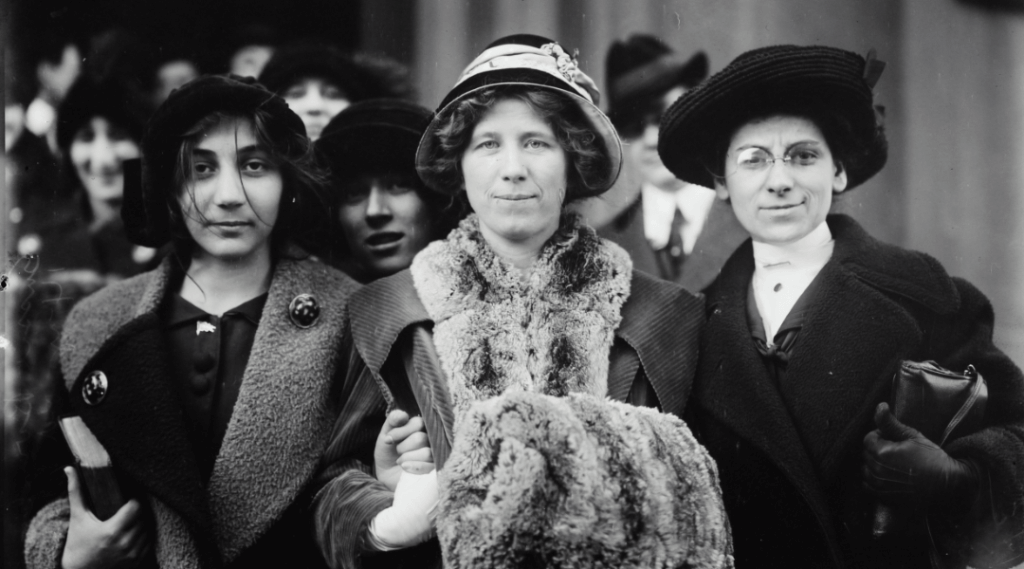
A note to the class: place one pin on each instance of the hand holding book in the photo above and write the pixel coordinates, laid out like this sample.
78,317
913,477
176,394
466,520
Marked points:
121,541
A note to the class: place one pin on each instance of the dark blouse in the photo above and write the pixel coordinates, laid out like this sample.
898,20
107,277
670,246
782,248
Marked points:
208,358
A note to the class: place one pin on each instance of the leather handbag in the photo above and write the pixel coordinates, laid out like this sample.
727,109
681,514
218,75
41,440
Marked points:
942,405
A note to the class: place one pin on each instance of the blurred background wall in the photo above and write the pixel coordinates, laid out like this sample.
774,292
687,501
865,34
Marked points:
953,89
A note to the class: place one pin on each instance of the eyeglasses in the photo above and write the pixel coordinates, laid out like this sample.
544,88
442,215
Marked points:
755,159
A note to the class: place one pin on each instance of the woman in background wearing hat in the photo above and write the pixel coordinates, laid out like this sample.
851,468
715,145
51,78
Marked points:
209,379
524,306
808,322
98,128
386,214
319,81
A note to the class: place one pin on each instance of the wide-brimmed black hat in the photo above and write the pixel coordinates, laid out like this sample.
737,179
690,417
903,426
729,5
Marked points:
530,60
144,210
830,79
374,136
89,98
293,63
642,67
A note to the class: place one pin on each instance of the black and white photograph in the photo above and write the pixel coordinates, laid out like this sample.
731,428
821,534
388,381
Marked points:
513,284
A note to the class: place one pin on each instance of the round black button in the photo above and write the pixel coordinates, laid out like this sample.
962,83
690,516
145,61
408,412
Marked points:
201,384
204,362
304,310
94,388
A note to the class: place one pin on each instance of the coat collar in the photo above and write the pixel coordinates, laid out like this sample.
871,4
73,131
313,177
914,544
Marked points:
853,338
281,420
912,275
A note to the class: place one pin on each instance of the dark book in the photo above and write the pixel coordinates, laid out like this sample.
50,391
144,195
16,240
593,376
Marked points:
96,476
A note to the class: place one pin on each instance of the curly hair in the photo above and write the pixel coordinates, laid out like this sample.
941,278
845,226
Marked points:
588,174
304,212
837,130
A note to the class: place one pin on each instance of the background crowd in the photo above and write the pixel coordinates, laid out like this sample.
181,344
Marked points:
81,81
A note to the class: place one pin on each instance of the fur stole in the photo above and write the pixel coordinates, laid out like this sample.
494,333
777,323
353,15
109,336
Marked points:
579,481
496,332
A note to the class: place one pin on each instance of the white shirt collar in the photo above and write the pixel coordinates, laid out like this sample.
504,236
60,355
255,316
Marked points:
660,207
783,272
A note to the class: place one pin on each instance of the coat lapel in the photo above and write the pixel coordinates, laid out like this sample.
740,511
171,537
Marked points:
737,391
284,412
663,323
118,332
376,331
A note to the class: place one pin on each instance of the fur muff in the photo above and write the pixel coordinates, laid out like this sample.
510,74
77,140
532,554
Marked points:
579,481
496,332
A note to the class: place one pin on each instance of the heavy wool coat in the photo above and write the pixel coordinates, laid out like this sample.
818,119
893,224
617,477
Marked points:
651,362
252,511
790,456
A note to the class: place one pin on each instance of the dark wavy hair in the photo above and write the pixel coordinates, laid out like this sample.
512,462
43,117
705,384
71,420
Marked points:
587,155
846,152
304,213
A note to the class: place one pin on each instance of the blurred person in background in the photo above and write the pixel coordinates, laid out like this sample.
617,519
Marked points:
172,69
58,59
386,213
99,127
672,229
249,48
319,81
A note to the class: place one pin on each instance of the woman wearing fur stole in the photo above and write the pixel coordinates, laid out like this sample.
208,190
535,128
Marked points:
534,357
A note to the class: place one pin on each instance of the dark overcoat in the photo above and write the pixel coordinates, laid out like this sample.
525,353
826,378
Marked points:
789,457
254,509
654,350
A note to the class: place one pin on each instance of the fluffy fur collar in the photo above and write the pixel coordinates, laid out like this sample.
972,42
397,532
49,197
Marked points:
496,332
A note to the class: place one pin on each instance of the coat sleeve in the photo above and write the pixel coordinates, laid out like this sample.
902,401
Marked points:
44,543
965,338
348,496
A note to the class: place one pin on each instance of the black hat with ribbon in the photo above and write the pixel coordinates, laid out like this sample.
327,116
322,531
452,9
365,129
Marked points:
147,183
643,67
770,80
530,60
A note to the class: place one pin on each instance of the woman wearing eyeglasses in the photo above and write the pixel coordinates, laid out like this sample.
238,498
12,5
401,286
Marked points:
809,320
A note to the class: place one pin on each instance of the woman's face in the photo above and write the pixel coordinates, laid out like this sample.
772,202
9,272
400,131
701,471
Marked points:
515,174
97,153
316,101
385,223
231,207
780,201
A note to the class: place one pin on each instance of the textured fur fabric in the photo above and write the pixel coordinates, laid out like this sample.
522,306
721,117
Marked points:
579,481
498,333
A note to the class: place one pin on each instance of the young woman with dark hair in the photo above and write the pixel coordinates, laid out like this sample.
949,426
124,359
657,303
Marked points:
209,380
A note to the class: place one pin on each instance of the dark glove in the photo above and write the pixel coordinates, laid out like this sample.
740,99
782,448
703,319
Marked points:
902,464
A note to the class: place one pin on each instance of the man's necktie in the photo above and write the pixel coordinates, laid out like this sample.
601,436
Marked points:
675,243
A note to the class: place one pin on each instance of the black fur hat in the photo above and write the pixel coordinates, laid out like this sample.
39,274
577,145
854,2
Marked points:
144,210
831,80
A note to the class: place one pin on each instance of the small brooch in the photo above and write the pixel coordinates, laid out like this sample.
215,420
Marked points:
202,326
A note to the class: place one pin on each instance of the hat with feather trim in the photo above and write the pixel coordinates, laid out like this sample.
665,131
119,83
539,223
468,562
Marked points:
523,59
144,211
773,79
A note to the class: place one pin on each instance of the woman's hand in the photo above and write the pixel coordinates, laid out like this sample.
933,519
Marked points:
121,541
410,519
901,463
401,446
